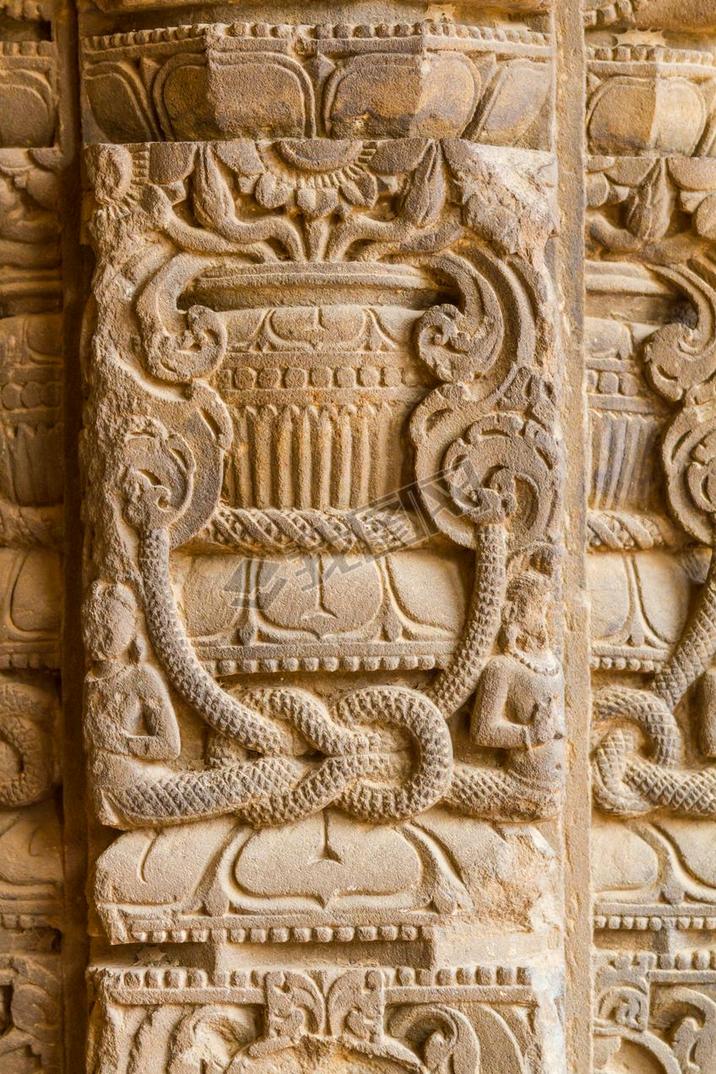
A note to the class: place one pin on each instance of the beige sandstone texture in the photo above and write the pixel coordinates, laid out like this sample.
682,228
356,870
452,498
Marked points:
358,424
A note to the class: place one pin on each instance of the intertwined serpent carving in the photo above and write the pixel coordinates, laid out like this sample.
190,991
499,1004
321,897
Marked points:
357,770
25,728
275,531
681,365
626,783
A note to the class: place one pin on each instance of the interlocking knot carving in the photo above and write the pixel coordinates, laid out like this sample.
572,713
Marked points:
484,429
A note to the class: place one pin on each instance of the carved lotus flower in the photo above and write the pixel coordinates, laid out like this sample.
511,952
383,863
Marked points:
316,176
638,115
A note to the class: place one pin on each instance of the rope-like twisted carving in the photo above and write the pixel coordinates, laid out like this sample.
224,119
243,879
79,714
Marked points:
277,532
621,531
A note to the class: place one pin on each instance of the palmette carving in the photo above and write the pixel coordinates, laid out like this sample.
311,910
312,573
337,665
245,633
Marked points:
644,1012
286,1019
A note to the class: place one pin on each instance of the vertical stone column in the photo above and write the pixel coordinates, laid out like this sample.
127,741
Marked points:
398,366
31,488
650,283
324,485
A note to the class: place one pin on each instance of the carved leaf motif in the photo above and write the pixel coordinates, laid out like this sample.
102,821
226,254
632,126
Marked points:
705,218
208,1039
120,104
508,212
112,167
693,1037
398,156
355,1006
426,194
41,186
361,190
241,156
505,469
688,1047
485,215
271,193
211,196
649,207
294,1005
455,348
158,476
34,1004
444,1036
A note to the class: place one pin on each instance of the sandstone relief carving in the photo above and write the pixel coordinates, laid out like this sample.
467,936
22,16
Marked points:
278,562
650,302
302,1021
377,342
31,494
324,511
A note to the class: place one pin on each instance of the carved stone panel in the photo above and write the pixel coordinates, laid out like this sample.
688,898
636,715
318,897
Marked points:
650,305
358,422
31,494
324,488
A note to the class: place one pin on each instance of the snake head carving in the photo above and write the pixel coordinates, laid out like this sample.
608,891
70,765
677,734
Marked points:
157,478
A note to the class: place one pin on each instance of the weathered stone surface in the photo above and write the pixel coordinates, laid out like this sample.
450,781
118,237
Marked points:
31,494
650,306
380,338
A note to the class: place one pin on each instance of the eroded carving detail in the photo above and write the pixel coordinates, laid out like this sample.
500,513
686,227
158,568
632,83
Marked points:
500,479
324,486
269,1020
650,245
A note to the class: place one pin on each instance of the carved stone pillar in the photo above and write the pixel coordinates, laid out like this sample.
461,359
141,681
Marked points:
377,339
324,697
31,492
650,352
